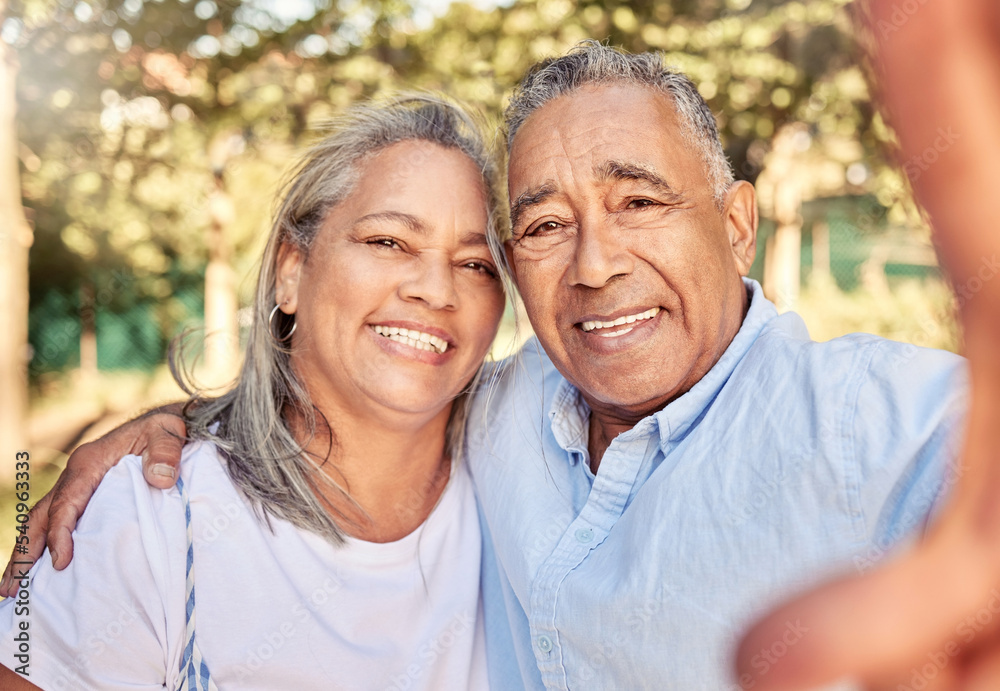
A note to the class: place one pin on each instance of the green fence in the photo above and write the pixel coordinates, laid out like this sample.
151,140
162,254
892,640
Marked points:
856,232
128,331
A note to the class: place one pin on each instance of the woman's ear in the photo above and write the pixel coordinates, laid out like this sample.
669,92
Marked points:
286,277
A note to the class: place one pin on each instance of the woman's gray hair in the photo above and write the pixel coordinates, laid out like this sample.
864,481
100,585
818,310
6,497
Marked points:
591,62
254,432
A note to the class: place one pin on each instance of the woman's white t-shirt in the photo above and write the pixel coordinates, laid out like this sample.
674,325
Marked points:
274,610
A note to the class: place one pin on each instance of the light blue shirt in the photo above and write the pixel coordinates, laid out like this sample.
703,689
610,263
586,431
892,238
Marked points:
788,462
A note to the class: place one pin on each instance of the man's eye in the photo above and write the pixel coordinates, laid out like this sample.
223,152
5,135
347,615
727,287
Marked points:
640,203
544,227
383,242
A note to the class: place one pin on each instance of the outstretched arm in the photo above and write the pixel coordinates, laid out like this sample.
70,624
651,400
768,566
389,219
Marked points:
930,620
157,436
11,681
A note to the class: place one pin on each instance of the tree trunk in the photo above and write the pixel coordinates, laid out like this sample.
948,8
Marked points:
782,262
820,275
222,346
88,335
15,239
784,256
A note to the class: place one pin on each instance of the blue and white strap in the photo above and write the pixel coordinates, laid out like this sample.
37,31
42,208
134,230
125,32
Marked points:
194,672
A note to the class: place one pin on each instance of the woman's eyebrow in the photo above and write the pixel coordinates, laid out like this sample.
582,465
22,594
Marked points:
410,221
474,239
470,239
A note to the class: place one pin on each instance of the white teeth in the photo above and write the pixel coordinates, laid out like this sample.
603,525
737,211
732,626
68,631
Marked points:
412,337
630,319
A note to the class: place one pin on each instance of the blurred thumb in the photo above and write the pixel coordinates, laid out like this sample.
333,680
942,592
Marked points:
870,628
161,459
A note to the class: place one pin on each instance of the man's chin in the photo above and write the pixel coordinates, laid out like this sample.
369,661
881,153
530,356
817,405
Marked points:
626,396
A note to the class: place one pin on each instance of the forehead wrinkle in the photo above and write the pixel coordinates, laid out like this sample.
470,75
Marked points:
409,220
531,197
474,239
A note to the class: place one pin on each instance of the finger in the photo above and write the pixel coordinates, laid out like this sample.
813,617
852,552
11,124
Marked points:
926,677
874,627
63,518
37,527
152,435
70,496
938,672
161,458
984,673
940,71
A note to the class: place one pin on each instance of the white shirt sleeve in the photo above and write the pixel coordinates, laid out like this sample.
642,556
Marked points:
114,618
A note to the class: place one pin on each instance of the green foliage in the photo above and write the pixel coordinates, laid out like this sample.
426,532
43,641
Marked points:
132,113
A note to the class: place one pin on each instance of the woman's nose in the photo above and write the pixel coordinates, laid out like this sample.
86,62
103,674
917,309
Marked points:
432,283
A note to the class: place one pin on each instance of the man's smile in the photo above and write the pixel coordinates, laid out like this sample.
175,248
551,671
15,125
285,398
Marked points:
617,326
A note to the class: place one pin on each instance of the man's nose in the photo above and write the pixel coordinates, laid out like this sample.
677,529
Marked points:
600,254
431,282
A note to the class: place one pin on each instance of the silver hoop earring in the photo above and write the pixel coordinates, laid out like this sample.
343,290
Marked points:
270,326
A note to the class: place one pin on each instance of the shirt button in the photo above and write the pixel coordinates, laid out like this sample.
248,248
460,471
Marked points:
544,644
584,535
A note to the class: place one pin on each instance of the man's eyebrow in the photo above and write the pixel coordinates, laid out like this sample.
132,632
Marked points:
623,170
528,199
411,222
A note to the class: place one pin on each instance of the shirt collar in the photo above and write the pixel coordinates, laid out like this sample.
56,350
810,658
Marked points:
570,414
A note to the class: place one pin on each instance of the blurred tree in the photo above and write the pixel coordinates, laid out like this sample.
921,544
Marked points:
144,123
136,121
15,239
761,65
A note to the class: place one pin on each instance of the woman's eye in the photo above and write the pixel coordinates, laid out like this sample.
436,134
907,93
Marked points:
383,242
481,267
640,203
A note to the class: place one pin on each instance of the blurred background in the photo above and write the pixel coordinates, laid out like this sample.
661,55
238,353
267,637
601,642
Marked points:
143,142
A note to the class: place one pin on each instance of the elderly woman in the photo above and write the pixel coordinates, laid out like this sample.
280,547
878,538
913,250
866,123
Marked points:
330,536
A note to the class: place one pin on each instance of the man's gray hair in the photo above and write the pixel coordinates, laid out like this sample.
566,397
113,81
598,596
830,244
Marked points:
252,424
591,62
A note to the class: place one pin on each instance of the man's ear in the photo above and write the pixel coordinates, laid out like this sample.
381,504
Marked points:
740,217
288,272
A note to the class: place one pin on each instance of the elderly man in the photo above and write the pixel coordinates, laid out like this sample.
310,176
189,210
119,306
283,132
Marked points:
669,455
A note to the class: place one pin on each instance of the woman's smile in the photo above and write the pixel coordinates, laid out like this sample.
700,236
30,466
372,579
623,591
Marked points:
412,337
